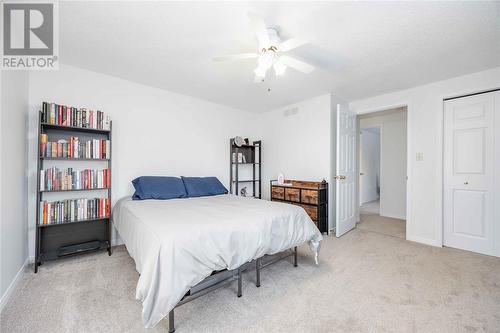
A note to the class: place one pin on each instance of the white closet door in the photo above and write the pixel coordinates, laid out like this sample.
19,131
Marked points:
469,166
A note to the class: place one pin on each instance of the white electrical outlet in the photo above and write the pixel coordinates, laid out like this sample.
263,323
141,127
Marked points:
420,156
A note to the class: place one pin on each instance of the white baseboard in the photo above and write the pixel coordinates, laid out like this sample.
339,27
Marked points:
399,217
117,242
12,287
422,240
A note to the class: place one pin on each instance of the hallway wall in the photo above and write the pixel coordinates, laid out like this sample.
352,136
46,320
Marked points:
369,159
393,157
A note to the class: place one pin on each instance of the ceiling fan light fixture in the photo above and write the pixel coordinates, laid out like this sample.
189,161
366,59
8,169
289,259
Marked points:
266,60
279,68
270,52
260,72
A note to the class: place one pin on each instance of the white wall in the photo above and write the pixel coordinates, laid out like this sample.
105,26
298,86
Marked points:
425,135
13,195
369,161
392,161
155,132
298,145
298,141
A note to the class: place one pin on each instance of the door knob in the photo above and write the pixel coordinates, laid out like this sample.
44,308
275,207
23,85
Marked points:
466,183
339,177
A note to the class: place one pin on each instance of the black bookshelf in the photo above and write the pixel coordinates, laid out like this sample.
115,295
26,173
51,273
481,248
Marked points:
77,190
252,160
75,128
52,240
73,222
73,159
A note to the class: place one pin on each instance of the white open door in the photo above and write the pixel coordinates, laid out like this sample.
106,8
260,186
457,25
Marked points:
345,166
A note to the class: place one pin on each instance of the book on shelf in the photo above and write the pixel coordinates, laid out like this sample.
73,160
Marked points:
75,148
62,115
71,210
53,179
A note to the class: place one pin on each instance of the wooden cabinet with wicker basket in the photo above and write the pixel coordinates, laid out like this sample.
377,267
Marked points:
312,196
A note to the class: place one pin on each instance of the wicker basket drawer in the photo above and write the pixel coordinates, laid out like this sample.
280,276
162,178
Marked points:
309,197
277,193
292,194
312,211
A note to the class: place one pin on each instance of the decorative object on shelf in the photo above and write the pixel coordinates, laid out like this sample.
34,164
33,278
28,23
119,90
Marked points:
65,225
245,167
241,158
243,192
238,141
312,196
281,179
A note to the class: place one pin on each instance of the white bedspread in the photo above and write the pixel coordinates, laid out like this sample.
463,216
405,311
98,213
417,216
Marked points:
177,243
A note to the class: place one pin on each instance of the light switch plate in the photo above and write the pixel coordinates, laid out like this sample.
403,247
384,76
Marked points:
420,156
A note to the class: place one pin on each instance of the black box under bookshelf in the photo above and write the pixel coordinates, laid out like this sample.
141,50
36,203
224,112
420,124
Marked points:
70,235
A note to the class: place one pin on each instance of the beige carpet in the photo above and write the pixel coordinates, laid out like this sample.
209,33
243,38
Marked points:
372,207
383,225
366,282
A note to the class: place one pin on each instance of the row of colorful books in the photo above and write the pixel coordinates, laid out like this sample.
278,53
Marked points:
63,115
72,210
74,148
54,179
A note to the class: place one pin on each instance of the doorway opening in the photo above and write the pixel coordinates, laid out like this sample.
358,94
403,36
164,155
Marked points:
382,152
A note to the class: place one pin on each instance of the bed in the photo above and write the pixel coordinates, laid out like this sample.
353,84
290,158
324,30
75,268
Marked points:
178,243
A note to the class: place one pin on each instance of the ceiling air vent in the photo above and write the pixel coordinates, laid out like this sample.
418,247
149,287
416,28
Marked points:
290,112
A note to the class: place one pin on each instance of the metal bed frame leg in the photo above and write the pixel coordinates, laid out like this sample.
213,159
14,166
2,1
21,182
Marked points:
239,282
171,325
257,272
295,257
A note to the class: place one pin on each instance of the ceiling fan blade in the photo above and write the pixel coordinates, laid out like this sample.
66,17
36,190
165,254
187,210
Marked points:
260,29
297,64
236,56
291,43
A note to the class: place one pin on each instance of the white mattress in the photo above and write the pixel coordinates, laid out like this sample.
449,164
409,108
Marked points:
177,243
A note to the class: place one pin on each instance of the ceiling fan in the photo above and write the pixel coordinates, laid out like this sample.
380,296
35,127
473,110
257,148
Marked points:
271,50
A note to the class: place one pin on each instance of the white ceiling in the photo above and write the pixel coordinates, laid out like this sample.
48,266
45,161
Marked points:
361,49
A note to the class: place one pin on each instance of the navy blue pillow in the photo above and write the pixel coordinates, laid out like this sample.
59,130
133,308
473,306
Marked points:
155,187
203,186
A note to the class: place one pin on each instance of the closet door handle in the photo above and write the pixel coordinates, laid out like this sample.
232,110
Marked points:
466,183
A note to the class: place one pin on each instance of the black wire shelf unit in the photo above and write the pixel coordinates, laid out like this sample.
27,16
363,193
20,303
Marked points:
245,166
58,240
